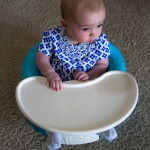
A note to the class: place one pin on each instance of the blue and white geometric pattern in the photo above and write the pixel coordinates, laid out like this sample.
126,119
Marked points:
67,58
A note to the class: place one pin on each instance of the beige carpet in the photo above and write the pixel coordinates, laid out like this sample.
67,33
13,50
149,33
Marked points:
22,23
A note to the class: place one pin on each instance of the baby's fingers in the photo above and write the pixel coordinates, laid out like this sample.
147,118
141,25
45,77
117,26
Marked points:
85,77
48,83
80,75
57,85
76,75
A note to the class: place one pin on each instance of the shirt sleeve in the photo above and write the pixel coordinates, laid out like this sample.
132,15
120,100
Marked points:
102,50
46,43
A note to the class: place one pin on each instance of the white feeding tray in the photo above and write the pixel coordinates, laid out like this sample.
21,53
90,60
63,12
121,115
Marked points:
80,109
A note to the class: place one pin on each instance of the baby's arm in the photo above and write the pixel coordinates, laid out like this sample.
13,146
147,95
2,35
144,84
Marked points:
99,68
53,79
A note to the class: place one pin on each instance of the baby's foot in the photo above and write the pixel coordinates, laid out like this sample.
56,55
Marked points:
53,141
110,134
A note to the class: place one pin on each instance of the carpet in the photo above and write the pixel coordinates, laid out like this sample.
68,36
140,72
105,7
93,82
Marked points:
22,24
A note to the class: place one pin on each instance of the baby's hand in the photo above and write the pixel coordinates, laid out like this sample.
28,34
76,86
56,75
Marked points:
81,75
54,81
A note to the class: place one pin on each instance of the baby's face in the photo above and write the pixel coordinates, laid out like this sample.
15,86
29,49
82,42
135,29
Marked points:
87,28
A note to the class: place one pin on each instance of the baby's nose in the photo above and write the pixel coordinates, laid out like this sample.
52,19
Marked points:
92,33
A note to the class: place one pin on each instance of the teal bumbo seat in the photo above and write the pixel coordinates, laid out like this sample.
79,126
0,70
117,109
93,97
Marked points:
29,68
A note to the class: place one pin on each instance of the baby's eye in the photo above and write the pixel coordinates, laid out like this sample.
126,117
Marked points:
85,29
99,25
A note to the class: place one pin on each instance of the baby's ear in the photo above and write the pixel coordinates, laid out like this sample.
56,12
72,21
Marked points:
63,23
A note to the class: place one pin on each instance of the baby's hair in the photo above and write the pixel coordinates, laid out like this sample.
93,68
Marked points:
70,7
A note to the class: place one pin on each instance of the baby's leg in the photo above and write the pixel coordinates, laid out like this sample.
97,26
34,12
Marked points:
53,141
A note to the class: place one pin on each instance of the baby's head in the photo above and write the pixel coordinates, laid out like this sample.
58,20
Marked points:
82,19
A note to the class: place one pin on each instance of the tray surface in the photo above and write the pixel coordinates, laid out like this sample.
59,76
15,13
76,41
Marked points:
80,107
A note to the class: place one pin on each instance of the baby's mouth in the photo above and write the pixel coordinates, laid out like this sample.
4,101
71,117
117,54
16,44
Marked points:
91,41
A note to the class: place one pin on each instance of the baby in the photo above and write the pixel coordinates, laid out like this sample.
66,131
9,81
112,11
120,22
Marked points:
76,50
